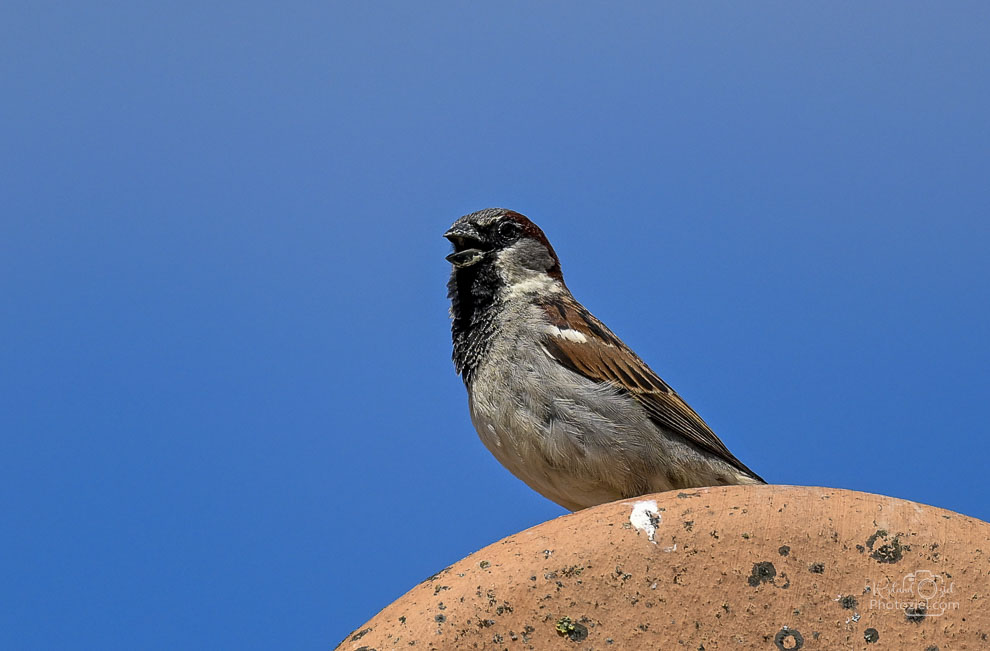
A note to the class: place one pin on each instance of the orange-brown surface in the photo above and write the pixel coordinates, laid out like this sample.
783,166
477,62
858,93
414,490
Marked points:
737,567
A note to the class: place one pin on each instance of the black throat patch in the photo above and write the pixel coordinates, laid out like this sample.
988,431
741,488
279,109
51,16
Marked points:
473,294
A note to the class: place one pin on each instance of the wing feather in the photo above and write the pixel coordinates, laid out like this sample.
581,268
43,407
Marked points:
600,356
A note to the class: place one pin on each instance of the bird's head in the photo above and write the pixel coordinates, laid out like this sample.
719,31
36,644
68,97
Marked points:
502,244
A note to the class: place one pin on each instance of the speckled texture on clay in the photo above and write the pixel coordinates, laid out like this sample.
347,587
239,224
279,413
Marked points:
736,567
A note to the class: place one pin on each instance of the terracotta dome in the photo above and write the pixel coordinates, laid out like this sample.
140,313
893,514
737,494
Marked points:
737,567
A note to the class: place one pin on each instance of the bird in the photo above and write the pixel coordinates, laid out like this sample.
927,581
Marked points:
553,394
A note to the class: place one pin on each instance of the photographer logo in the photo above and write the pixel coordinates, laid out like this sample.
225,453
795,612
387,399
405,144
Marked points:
921,593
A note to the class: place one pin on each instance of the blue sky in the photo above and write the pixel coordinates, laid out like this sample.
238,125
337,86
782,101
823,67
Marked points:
228,417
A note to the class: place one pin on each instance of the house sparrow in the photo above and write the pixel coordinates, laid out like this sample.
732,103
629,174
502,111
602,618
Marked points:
554,395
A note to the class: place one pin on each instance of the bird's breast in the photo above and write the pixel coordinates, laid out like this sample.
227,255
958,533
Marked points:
572,440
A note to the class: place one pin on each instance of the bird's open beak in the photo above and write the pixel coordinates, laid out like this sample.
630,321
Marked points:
467,245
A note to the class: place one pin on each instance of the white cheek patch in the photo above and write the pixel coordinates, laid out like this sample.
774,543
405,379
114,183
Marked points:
532,285
517,267
568,334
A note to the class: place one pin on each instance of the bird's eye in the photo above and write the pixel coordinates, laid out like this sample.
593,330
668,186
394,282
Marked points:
509,230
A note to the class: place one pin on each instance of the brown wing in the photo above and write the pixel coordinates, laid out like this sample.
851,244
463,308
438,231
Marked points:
597,354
